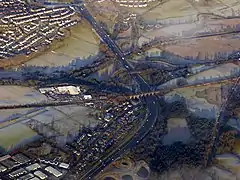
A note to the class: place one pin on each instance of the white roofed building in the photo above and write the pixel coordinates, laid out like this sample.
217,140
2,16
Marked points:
72,90
53,171
87,97
64,165
44,90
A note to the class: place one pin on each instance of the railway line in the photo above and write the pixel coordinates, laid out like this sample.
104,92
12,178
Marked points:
120,97
164,91
159,42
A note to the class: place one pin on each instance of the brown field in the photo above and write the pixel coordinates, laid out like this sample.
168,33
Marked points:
10,95
105,12
204,46
19,95
21,59
192,29
183,8
82,42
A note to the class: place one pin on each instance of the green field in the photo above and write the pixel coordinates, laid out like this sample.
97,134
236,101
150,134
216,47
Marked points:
15,134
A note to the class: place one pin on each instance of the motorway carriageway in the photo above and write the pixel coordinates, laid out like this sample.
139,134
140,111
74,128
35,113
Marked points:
152,104
151,101
140,134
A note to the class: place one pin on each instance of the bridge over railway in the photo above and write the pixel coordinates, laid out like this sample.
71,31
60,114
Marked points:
165,91
232,58
153,102
121,73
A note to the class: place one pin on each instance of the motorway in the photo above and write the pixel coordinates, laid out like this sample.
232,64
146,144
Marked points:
113,46
140,134
152,104
151,101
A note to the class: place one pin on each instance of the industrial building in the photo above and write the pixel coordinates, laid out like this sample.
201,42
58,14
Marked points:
72,90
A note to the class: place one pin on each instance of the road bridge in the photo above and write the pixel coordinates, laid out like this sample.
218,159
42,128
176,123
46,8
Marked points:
122,73
151,101
118,98
166,90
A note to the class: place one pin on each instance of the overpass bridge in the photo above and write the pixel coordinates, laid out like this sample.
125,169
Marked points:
148,125
165,91
122,73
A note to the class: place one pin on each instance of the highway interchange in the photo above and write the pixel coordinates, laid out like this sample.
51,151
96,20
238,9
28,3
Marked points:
152,102
153,105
